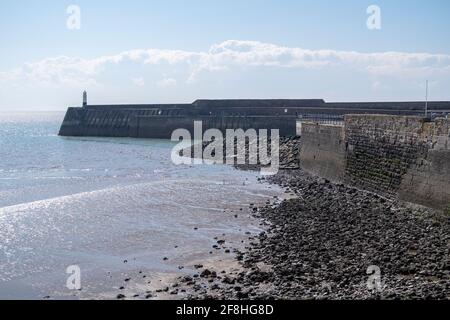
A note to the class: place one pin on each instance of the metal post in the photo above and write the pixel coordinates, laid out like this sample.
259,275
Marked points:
426,100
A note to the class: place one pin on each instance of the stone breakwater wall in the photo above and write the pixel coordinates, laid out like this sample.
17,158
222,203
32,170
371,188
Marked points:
403,156
160,125
323,150
159,120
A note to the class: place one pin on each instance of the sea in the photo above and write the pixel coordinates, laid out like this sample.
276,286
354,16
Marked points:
108,209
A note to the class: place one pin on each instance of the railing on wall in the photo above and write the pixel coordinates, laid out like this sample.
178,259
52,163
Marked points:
330,119
322,118
339,119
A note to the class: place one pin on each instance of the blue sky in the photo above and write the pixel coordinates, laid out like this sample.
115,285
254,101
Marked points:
178,51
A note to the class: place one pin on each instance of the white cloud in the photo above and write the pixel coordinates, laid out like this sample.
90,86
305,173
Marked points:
167,82
229,55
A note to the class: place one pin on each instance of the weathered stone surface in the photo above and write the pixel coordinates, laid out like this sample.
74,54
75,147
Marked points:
404,156
159,120
323,150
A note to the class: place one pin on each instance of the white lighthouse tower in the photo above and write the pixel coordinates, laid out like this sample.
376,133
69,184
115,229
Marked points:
84,98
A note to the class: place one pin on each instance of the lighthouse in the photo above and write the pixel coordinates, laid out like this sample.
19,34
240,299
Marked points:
84,98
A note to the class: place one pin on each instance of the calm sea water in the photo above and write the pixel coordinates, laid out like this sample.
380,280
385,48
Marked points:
95,202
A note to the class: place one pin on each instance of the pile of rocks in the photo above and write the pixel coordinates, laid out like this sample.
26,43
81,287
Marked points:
289,153
322,245
333,241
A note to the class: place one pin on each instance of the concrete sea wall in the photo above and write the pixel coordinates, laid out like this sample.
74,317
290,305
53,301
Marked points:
159,120
403,156
160,125
323,150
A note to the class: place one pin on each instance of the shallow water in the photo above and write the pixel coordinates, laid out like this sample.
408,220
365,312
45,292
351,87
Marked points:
95,202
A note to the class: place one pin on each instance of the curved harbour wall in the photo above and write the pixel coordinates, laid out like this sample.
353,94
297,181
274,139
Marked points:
159,121
403,156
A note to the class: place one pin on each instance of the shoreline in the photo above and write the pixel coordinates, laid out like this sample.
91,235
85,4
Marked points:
314,255
314,240
142,283
327,242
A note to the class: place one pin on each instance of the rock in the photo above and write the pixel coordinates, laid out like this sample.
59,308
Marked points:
319,245
205,273
228,280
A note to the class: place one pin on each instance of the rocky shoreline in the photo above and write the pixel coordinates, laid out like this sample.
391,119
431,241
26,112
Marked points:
326,242
322,244
289,153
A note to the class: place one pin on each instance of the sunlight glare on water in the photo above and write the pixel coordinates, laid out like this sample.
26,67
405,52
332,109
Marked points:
94,202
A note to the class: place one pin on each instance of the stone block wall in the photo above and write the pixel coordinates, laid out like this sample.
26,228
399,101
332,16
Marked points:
323,150
428,179
403,156
381,149
162,127
149,123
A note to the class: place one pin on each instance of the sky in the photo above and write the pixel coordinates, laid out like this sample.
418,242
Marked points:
178,51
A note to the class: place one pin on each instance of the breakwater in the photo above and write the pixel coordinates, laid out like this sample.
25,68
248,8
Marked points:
160,120
401,156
